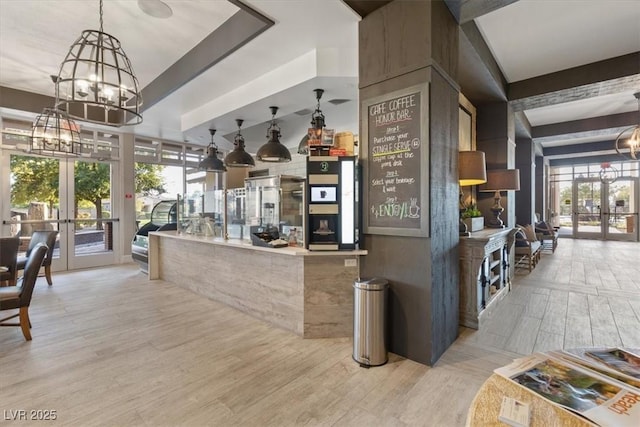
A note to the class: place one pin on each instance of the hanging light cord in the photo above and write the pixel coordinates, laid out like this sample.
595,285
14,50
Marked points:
101,17
317,118
239,139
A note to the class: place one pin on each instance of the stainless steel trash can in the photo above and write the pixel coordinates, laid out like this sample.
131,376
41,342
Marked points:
369,321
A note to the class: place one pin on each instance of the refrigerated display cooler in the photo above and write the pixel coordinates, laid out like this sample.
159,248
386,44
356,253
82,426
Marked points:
163,217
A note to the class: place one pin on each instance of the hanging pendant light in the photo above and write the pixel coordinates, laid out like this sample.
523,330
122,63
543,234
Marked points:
632,148
273,151
238,157
608,173
212,163
317,122
97,83
54,133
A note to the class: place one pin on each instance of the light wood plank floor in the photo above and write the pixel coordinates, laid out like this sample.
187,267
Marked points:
111,348
585,294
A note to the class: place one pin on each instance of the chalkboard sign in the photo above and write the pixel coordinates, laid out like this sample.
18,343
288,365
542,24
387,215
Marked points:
395,139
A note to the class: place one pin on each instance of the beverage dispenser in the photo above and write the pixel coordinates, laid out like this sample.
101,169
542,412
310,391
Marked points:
331,213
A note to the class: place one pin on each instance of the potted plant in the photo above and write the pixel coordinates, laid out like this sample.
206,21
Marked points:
472,216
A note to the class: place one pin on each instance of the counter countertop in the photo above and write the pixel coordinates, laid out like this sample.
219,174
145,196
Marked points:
293,251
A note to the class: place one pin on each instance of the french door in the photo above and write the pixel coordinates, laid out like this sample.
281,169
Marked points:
73,196
607,211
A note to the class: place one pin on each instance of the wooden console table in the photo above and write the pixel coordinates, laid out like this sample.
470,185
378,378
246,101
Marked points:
484,274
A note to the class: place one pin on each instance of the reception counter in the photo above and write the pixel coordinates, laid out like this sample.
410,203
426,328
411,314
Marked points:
308,293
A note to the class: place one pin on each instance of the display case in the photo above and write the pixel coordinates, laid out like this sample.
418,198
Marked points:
275,203
163,217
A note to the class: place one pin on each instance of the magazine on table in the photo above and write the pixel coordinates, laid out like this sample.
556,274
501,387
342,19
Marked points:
618,359
578,356
582,391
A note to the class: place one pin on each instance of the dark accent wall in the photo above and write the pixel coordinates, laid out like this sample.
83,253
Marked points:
402,44
525,198
495,127
541,182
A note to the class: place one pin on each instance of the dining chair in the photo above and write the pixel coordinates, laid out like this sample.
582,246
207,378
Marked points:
8,259
48,238
19,297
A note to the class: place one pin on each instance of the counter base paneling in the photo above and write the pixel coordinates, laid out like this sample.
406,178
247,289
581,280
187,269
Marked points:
308,293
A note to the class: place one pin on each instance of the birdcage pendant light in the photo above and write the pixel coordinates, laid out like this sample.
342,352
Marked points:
630,147
96,81
54,133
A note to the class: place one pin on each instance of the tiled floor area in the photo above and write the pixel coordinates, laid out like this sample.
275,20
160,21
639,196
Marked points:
585,294
111,348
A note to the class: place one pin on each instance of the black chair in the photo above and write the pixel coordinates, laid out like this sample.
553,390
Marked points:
19,297
8,258
49,239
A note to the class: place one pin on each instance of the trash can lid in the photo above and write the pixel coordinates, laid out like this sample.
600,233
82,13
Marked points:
372,284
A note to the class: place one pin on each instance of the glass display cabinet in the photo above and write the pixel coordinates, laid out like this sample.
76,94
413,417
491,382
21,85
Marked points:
275,203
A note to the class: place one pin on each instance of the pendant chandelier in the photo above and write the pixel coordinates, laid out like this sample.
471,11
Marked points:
97,83
608,174
273,151
630,149
54,133
212,163
317,122
238,157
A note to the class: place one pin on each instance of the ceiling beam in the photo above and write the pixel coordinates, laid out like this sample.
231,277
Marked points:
586,125
606,77
365,7
21,100
479,75
468,10
585,158
579,148
242,27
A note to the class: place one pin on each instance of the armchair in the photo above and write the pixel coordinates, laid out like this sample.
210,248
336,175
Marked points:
547,235
19,297
527,248
49,239
8,259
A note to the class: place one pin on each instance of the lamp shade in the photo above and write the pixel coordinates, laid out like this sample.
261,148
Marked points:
239,158
502,180
273,151
472,168
212,163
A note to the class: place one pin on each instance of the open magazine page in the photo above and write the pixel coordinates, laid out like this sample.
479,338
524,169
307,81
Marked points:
577,356
576,389
616,358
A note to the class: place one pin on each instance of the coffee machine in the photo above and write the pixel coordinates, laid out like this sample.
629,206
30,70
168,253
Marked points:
331,197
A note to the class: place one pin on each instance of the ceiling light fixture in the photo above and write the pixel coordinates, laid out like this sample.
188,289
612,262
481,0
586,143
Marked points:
317,122
212,163
273,151
238,157
54,133
608,174
97,83
632,147
155,8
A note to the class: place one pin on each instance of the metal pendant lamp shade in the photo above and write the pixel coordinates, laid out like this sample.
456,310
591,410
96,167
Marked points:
273,151
239,158
212,163
96,81
630,148
53,133
472,168
317,122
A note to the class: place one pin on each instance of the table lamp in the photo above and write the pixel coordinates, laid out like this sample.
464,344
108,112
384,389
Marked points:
500,180
472,170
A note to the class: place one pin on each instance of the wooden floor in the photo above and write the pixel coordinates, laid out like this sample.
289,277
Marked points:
111,348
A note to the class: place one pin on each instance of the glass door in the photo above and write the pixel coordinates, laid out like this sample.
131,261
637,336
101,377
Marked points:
91,224
587,208
622,203
607,211
71,196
